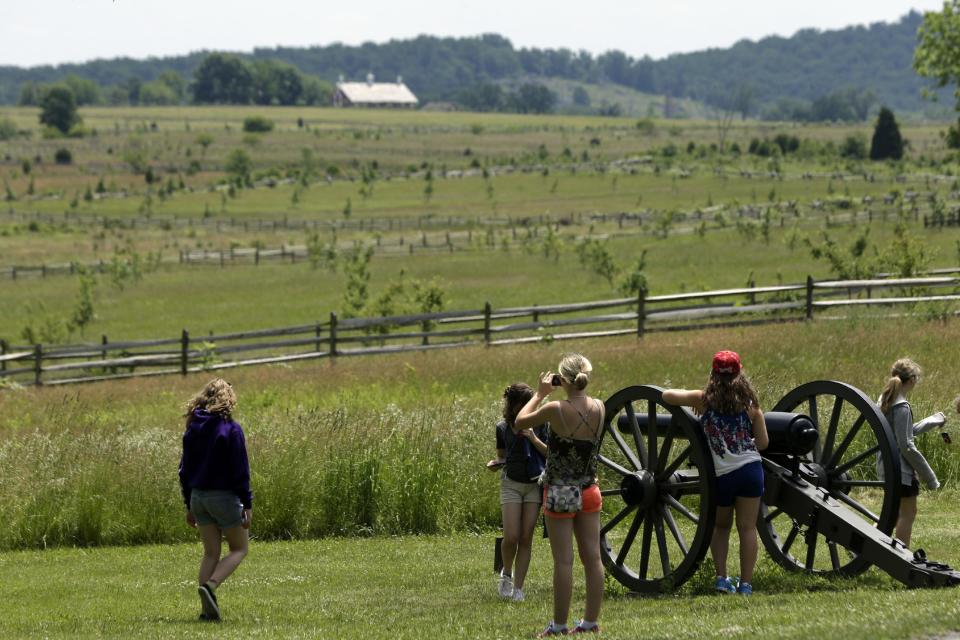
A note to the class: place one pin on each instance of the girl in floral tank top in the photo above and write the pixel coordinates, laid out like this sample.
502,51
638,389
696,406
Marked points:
736,432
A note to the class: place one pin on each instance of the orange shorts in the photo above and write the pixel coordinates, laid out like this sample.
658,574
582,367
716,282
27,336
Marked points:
591,499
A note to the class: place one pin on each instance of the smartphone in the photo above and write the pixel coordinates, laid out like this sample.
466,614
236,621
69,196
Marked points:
946,437
555,380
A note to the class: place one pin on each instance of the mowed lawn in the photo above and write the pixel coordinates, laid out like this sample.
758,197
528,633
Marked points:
441,587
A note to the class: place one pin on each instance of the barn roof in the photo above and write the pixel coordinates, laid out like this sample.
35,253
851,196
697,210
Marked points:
377,92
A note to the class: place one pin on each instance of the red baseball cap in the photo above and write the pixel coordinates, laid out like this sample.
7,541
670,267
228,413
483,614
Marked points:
726,362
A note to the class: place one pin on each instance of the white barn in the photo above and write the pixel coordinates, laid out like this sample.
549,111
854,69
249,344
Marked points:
373,94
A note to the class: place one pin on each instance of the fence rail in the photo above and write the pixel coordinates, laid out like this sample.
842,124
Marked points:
335,337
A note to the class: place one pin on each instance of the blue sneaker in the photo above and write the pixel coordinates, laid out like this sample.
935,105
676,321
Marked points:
745,589
724,585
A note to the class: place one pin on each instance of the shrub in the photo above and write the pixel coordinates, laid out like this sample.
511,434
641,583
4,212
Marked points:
8,129
63,156
257,124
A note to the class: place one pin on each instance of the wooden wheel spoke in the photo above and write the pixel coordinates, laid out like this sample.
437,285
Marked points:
665,449
812,400
652,435
637,439
682,510
791,537
617,518
645,547
673,466
662,544
772,514
610,464
834,556
837,455
853,504
855,461
675,530
811,550
624,448
611,492
832,429
631,536
686,487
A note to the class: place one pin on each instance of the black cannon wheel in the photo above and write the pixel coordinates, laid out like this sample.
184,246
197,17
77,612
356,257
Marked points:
844,462
659,505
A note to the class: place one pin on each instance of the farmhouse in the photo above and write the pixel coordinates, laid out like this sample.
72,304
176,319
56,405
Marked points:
373,94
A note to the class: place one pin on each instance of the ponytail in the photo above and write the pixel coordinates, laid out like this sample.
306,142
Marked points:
890,392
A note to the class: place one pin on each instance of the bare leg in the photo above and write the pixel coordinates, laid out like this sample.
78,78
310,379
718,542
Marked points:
908,513
586,526
561,546
237,539
529,514
720,542
511,534
747,510
210,536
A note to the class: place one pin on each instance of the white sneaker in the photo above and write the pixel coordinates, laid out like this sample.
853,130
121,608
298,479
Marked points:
518,594
505,586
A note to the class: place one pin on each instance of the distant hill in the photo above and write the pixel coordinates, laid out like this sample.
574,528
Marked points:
773,71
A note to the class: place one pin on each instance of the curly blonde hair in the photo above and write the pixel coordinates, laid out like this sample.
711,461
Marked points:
216,397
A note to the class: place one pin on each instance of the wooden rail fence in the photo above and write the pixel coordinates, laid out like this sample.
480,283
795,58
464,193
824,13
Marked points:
335,337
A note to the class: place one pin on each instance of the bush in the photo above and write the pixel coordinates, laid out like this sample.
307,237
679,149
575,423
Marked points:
257,124
63,156
8,130
855,146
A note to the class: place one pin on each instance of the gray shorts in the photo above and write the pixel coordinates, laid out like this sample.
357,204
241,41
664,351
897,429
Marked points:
513,492
216,506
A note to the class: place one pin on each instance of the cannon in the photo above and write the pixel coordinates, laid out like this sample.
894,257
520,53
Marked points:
826,508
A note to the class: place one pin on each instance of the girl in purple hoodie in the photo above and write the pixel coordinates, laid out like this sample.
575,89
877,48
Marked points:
215,479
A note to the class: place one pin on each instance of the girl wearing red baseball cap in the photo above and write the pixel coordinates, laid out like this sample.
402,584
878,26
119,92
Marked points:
733,422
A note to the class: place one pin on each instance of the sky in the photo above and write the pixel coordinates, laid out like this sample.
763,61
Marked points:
57,31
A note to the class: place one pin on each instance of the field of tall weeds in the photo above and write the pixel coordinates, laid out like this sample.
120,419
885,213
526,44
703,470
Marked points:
393,444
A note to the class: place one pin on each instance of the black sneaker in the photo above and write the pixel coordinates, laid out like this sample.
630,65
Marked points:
209,602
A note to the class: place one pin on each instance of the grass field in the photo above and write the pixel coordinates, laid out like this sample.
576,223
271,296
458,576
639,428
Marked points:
373,517
437,587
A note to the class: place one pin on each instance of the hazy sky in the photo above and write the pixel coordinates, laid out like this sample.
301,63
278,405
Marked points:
54,31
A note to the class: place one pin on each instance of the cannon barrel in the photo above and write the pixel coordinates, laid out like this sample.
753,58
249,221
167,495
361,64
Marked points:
791,434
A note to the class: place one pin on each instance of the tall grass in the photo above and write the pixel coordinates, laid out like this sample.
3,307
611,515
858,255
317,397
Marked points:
388,445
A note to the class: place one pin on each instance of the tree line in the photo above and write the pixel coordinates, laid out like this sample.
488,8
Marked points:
811,76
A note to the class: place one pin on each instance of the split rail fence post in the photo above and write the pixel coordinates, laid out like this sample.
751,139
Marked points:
641,312
37,363
333,334
487,310
3,352
103,349
184,351
809,297
319,330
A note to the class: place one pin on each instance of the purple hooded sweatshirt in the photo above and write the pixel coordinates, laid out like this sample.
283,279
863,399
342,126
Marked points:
214,457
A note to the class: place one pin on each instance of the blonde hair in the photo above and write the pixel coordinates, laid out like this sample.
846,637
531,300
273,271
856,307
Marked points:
216,397
902,371
575,369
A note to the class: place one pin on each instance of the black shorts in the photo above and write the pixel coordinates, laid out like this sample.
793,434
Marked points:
911,490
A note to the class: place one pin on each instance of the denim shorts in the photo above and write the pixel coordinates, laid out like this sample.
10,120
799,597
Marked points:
745,482
216,506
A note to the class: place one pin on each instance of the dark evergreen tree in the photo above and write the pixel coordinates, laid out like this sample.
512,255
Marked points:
887,142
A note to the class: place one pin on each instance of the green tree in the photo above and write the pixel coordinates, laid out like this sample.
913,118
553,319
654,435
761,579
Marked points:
936,54
59,109
276,82
238,166
85,91
222,79
887,142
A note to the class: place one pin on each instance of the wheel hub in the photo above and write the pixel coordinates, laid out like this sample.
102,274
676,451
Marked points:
639,488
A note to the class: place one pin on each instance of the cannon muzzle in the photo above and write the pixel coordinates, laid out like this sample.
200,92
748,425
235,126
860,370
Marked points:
791,434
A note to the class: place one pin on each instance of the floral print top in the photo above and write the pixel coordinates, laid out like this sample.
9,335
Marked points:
730,437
